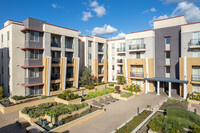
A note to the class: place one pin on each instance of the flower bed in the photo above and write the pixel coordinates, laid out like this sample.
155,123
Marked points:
98,93
54,108
176,120
194,98
68,121
68,95
175,103
131,125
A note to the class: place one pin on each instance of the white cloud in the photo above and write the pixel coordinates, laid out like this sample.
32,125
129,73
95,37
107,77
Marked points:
153,9
86,16
157,18
94,4
190,10
148,10
100,11
106,29
121,35
175,1
56,6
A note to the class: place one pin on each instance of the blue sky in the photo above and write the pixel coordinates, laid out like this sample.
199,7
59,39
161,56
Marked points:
107,18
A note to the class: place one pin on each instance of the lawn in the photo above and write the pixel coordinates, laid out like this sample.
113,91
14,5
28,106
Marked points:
126,94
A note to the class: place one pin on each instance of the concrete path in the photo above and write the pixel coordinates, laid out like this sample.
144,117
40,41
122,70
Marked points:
116,114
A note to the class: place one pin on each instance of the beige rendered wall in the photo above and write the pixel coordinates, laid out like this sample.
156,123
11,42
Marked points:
45,74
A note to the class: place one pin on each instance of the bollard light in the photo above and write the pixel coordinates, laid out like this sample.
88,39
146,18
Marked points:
195,111
138,110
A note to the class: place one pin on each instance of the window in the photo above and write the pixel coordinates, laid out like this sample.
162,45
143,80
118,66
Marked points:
26,73
142,83
195,53
35,90
113,77
167,69
26,36
34,72
113,67
167,54
167,40
34,54
34,36
89,44
113,46
113,58
8,35
89,56
137,55
26,54
195,88
2,38
26,91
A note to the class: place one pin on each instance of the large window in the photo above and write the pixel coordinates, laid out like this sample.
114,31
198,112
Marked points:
167,40
34,36
113,67
167,69
195,88
8,35
89,56
34,72
89,43
195,53
168,55
35,90
34,54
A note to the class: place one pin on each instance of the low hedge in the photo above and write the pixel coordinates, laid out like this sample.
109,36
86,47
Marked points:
97,93
111,84
54,108
174,103
126,94
130,126
68,95
22,97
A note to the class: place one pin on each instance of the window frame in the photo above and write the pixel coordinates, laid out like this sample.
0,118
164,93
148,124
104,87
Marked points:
166,42
34,36
167,69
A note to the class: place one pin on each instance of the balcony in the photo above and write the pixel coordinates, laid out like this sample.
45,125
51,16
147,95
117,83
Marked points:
70,75
121,50
119,60
137,47
194,43
101,72
70,61
55,76
136,74
196,77
100,50
54,44
100,60
119,72
55,61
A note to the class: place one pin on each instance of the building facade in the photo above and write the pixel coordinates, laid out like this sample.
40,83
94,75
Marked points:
37,57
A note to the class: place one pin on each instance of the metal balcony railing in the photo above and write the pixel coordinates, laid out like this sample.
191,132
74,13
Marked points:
54,44
136,74
100,50
70,61
100,61
194,42
121,49
100,72
55,60
119,61
55,76
195,77
137,46
71,46
119,72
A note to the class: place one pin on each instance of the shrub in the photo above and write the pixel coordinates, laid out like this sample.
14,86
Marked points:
111,84
97,93
177,101
117,88
157,123
121,80
126,94
56,109
194,96
1,92
68,95
22,97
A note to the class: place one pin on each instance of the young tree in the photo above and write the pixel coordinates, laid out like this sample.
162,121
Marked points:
121,80
86,77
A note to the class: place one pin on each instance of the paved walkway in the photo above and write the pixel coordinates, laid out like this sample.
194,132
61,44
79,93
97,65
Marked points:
116,114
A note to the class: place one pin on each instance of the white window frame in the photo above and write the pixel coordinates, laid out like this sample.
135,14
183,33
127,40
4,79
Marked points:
35,55
34,72
36,90
195,88
35,36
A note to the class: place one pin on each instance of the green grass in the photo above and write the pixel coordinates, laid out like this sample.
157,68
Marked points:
130,126
126,94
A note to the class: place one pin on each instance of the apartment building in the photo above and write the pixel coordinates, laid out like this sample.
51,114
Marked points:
94,56
37,57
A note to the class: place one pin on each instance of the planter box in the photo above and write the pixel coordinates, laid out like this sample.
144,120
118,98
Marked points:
24,100
121,86
89,101
28,118
75,101
150,131
61,91
98,87
13,108
118,96
139,93
54,120
193,101
73,123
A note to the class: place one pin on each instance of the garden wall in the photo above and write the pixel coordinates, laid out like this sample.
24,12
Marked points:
194,101
24,100
75,101
118,96
61,91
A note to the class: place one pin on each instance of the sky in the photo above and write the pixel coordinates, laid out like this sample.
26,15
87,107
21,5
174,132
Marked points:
106,18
